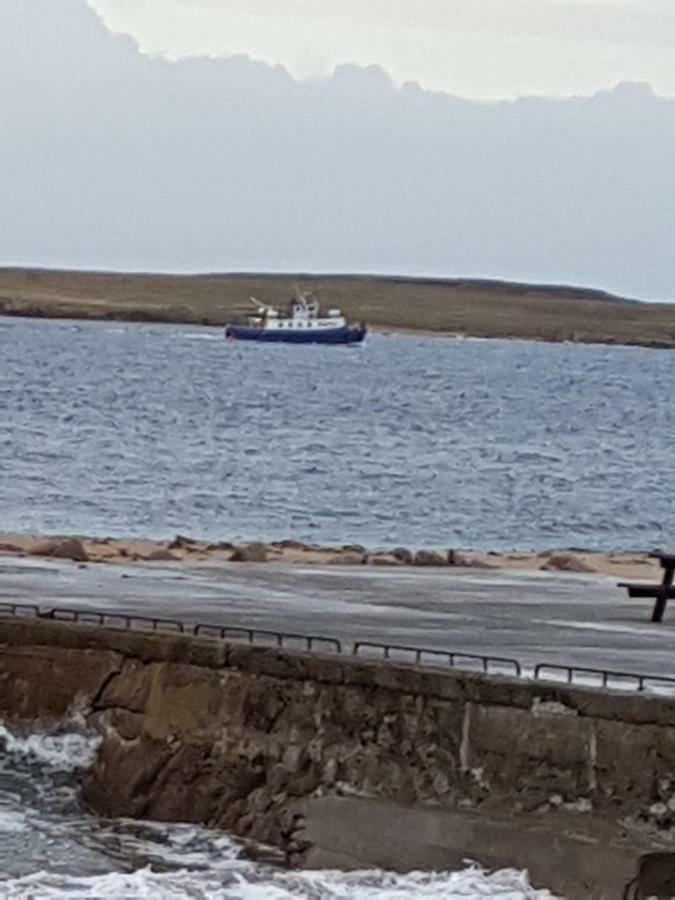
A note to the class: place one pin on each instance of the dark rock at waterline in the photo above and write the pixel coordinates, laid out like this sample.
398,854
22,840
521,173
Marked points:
429,558
566,562
62,548
290,544
162,554
180,542
403,555
250,553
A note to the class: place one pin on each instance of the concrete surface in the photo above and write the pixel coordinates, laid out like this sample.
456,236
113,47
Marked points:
534,617
593,861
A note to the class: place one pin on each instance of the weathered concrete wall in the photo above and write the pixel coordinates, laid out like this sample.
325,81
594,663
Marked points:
239,736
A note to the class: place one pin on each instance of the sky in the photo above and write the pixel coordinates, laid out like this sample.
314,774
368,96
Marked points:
115,156
479,49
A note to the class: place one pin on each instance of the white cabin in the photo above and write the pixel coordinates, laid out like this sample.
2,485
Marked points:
303,314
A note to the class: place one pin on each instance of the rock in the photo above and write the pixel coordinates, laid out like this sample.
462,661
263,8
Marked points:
250,553
658,810
345,558
566,562
180,542
470,561
582,805
220,545
62,548
9,547
161,554
429,558
403,555
384,559
353,548
291,545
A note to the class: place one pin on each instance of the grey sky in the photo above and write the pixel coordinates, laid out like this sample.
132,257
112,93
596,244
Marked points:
112,159
472,48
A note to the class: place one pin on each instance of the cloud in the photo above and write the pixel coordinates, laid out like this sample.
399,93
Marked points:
477,48
113,159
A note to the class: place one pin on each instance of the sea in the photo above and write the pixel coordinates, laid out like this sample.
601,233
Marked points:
117,430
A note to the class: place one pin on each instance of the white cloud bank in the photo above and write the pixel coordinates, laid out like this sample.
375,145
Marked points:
471,48
112,159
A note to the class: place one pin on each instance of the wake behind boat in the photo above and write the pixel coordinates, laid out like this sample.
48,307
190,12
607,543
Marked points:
302,324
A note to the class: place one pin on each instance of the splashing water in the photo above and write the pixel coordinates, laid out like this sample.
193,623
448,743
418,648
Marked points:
51,848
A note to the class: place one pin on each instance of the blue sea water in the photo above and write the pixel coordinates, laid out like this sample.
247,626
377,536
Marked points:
119,429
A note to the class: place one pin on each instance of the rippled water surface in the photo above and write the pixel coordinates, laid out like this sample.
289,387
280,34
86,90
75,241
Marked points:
51,848
149,430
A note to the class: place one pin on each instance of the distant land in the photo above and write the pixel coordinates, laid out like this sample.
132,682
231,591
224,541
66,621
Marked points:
472,307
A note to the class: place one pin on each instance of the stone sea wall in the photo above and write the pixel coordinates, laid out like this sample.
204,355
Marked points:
241,737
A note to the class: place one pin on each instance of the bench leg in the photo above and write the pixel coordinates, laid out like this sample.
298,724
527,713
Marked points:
659,607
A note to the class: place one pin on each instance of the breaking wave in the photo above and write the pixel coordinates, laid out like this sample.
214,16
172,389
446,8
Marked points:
189,885
62,750
50,847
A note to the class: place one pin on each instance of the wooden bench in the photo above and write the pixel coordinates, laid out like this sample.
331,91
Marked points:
662,592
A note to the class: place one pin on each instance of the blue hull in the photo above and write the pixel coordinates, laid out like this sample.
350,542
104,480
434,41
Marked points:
348,335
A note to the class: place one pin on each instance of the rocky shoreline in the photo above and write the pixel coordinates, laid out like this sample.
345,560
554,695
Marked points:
181,549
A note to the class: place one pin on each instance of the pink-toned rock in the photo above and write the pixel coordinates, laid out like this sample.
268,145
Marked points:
429,558
470,560
180,542
347,558
403,555
384,559
161,554
250,553
62,548
567,562
9,547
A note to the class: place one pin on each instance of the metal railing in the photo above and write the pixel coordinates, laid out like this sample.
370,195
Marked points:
278,638
589,677
396,653
20,610
455,659
111,620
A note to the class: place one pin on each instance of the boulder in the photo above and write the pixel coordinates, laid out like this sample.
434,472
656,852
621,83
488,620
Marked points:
62,548
347,558
429,558
384,559
250,553
289,544
9,547
403,555
161,554
220,545
470,560
180,542
567,562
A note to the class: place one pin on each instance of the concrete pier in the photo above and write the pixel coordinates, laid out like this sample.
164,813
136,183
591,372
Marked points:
532,616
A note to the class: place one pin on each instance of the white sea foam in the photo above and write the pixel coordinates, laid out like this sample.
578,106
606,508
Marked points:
12,822
183,885
65,751
175,861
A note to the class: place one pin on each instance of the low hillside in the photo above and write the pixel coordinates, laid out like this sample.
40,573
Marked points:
471,307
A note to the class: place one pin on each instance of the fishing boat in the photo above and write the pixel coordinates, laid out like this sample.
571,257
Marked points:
301,324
